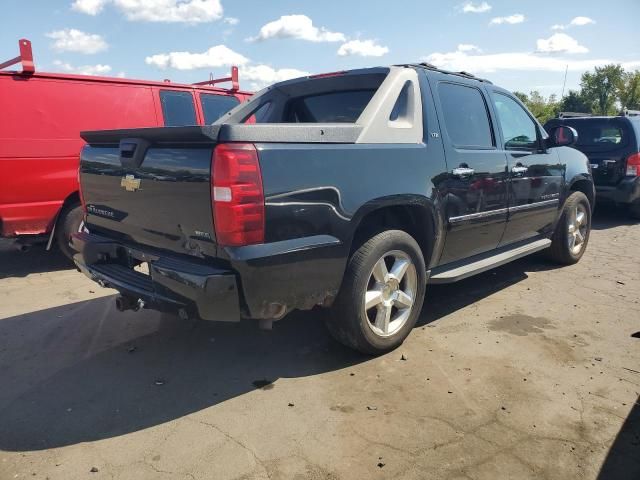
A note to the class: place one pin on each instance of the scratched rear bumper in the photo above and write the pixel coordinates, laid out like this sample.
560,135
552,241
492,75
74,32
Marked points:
173,284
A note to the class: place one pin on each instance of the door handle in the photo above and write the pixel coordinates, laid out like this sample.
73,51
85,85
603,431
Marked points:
519,169
463,171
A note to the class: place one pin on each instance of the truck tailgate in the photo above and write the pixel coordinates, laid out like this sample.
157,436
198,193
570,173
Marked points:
147,192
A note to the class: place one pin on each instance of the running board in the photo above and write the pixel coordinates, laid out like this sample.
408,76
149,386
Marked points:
487,263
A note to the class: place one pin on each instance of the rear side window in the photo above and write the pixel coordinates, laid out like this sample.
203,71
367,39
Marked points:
177,108
333,107
215,106
518,130
465,116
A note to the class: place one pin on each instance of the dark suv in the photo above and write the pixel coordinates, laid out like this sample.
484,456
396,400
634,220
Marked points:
612,145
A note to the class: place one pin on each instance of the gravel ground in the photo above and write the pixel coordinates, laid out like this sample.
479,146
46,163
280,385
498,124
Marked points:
528,371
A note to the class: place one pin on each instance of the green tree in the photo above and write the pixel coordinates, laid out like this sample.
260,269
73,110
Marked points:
522,96
630,91
542,108
601,89
575,102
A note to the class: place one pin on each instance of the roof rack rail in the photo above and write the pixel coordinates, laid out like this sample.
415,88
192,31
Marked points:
25,57
464,74
235,84
573,115
630,113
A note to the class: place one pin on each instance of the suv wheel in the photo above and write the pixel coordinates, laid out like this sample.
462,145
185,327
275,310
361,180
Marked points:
569,241
71,221
381,295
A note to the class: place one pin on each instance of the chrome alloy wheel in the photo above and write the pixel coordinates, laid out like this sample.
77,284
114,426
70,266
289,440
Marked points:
390,293
577,229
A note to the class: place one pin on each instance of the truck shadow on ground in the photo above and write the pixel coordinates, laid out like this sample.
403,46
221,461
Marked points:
14,263
84,372
623,459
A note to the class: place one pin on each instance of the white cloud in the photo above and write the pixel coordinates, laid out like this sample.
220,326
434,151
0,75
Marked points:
231,20
516,61
221,56
467,47
216,56
364,48
167,11
90,7
581,21
470,7
575,22
560,43
260,76
510,19
72,40
98,69
297,26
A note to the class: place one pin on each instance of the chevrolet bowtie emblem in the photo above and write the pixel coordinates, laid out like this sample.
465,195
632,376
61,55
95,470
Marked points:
130,183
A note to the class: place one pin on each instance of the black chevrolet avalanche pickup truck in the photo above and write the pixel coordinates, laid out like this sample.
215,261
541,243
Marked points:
348,190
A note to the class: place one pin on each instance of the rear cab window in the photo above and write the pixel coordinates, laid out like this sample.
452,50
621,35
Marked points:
599,134
332,107
465,115
178,108
327,98
215,106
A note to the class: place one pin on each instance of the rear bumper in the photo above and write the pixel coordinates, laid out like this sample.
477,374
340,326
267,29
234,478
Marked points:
172,285
626,191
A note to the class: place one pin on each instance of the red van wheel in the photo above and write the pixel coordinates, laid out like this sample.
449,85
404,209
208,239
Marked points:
70,221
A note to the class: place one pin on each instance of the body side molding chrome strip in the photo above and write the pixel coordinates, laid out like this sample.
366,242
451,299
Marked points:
473,216
530,206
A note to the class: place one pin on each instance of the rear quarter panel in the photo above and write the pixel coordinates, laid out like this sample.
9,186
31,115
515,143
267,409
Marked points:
315,197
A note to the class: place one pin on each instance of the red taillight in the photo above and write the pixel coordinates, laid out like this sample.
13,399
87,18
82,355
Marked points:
633,165
237,195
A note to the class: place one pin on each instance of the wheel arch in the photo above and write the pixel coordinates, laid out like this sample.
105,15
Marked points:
414,214
584,184
71,199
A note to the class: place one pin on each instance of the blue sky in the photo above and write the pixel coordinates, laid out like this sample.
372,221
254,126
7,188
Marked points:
521,45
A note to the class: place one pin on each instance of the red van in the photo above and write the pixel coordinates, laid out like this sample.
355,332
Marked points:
41,115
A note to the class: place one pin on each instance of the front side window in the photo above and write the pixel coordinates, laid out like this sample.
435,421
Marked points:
465,116
518,129
215,106
178,109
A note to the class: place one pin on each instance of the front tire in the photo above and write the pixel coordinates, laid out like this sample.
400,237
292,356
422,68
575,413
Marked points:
570,238
70,221
381,295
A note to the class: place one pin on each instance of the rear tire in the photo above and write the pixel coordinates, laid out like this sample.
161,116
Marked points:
570,238
70,221
381,295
